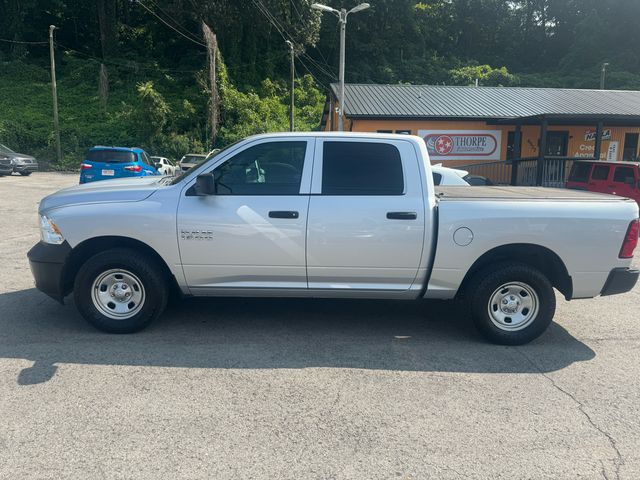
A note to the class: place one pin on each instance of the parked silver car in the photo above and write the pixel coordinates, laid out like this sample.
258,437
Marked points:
191,160
19,162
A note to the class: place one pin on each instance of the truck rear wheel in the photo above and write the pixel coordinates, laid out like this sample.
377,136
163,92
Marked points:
120,291
511,303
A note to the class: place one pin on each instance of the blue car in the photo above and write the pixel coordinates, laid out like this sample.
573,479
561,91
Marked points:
104,163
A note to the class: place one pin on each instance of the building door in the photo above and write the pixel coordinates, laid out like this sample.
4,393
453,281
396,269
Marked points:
511,145
630,152
557,144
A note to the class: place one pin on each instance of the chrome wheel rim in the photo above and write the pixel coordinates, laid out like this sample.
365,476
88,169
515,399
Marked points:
513,306
118,294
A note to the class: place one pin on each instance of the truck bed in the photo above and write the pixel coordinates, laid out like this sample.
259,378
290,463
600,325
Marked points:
507,193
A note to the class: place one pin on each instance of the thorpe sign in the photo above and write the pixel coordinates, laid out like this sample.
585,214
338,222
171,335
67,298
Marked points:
462,144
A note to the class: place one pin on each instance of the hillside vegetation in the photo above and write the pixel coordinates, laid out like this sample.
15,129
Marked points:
135,72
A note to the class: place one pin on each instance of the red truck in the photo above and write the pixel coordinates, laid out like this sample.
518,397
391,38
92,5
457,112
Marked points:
615,178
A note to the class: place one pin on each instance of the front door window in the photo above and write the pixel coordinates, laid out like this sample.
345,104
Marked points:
265,169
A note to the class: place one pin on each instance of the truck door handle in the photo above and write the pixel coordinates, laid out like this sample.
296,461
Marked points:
283,214
402,215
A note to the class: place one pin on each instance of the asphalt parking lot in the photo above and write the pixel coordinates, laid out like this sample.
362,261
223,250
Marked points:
293,389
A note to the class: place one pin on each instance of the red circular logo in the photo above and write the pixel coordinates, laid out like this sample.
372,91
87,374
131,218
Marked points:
444,144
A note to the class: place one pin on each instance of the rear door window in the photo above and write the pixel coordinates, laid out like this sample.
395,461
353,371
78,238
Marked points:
600,172
580,172
623,174
145,158
111,156
361,168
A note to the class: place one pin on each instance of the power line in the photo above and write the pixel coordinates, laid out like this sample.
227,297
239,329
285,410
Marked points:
139,2
182,27
282,31
302,22
136,66
22,42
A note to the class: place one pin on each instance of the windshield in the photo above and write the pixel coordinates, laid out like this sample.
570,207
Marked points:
5,149
211,155
193,159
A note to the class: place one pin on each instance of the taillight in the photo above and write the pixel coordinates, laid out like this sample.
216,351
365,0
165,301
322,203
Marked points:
630,240
85,166
133,168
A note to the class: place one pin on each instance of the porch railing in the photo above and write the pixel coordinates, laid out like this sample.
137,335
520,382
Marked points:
554,174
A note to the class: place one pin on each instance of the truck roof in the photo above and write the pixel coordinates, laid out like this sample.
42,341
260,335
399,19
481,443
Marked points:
394,136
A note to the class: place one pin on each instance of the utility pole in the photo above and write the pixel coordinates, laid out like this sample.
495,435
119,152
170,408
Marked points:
342,15
603,75
54,91
293,80
343,33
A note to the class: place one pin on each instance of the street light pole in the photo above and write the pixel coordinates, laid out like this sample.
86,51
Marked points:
602,75
342,15
293,80
54,91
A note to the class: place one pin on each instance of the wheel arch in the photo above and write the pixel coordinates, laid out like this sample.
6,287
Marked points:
537,256
87,248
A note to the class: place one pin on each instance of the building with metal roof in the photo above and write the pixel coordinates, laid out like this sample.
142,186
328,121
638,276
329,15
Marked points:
498,127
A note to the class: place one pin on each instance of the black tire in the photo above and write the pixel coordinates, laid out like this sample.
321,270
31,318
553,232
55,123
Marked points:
25,174
484,288
151,277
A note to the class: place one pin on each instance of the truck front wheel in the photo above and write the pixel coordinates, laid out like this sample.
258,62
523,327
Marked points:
511,303
120,291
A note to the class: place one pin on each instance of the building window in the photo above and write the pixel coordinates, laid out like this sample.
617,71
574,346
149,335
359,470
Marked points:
384,131
630,152
404,132
361,168
557,143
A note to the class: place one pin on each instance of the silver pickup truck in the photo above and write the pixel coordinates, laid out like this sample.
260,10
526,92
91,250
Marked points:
331,215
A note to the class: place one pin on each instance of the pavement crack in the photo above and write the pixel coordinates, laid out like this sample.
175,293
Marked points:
619,460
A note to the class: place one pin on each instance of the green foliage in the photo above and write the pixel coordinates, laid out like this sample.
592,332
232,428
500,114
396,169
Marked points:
158,91
485,74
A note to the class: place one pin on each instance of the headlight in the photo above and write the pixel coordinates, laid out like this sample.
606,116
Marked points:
49,231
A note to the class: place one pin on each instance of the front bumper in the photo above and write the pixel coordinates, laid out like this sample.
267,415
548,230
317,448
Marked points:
25,167
47,266
620,280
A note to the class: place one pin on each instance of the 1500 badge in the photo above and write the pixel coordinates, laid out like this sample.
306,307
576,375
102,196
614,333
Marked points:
196,234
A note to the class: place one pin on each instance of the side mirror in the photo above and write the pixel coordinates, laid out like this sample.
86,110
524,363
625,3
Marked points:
205,184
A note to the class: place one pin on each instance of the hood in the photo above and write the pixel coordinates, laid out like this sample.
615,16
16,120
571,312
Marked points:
132,189
18,156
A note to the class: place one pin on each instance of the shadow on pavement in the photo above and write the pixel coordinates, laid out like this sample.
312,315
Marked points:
275,333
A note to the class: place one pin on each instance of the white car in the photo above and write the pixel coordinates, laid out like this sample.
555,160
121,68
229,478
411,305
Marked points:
448,176
164,166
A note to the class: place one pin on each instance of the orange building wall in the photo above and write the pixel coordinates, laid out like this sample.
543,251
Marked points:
577,145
